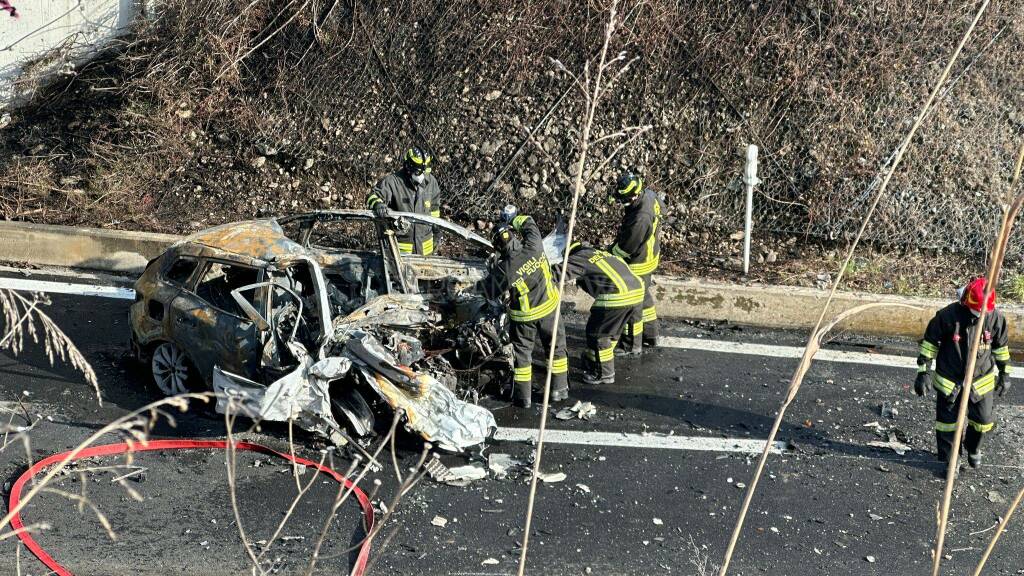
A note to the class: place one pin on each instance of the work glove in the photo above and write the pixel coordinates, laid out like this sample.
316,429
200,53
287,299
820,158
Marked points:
921,383
380,210
1003,384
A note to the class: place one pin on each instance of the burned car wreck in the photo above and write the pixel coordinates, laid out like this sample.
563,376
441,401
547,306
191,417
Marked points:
318,318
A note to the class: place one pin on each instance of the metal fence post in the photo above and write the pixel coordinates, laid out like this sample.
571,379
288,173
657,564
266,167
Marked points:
749,181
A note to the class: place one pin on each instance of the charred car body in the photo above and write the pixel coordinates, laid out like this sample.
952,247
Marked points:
316,317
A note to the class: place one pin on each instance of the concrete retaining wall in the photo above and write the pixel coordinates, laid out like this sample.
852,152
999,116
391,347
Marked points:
92,248
768,306
48,37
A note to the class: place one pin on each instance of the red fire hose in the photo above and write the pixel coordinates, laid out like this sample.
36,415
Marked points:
110,449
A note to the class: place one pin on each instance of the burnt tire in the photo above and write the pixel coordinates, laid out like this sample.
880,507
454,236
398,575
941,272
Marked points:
352,410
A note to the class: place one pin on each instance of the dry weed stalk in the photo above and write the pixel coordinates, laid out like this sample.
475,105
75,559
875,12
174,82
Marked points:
20,317
593,86
991,281
817,333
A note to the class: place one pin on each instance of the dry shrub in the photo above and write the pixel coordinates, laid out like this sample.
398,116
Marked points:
168,130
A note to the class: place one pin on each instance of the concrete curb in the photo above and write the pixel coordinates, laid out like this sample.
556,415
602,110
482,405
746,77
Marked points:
753,305
91,248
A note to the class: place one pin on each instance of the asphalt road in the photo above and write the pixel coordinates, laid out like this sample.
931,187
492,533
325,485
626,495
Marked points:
830,504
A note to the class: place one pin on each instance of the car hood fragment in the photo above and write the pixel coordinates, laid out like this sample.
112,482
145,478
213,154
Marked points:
301,395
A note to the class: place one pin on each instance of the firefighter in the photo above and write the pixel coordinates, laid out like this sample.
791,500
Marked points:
617,293
947,341
411,189
639,245
523,273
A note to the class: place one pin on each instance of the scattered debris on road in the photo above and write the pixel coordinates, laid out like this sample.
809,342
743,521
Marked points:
581,410
502,464
551,477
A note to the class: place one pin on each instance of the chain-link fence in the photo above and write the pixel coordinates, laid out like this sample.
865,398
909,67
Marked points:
219,109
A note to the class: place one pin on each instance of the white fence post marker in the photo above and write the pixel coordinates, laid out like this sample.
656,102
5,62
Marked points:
749,181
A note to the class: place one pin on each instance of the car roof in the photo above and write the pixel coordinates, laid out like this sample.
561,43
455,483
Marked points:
262,240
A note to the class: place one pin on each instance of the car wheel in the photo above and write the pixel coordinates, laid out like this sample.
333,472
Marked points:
171,369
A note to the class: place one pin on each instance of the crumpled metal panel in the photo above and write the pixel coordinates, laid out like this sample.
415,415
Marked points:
434,412
409,310
302,395
437,414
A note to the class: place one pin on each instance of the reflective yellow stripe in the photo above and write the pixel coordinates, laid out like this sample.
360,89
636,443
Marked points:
373,200
435,213
619,252
645,268
654,235
405,248
632,186
922,368
428,246
631,298
612,275
524,374
650,314
518,221
524,297
535,313
1007,369
942,384
983,428
945,426
982,385
928,350
1001,354
560,366
985,384
606,354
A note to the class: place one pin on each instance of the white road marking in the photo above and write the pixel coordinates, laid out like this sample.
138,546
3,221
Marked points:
26,285
773,351
624,440
750,349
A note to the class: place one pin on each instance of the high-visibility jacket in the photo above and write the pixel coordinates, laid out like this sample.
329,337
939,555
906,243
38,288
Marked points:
526,275
947,340
605,277
638,241
399,192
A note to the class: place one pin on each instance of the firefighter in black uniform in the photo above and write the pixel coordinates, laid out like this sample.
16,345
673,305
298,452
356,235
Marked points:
947,340
411,189
523,273
618,294
639,244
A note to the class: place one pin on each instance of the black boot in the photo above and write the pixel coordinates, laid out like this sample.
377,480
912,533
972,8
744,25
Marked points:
559,394
592,379
974,459
521,394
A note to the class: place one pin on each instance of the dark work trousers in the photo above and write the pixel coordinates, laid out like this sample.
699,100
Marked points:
979,423
603,329
524,335
642,327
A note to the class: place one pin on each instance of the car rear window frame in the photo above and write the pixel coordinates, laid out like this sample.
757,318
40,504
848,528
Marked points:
190,281
261,274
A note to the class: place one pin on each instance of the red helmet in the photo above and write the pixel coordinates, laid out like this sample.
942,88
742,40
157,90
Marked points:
974,294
